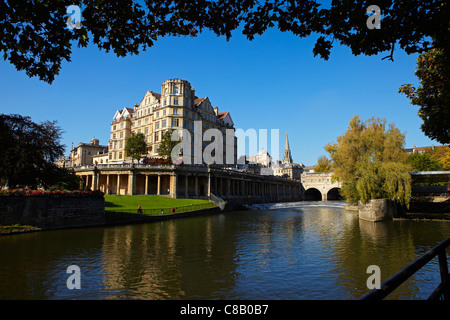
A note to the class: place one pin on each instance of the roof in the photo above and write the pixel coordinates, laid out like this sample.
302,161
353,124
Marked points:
222,115
197,101
156,95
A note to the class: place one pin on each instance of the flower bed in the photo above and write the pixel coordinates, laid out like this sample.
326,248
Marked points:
47,193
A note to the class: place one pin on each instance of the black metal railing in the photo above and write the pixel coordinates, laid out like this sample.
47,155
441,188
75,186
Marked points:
162,211
442,292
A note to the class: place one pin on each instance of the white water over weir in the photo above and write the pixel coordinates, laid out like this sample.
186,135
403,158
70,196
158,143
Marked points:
301,204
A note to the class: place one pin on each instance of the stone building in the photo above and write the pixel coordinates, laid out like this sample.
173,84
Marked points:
84,153
176,107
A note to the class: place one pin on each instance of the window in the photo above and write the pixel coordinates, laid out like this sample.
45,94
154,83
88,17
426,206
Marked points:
146,130
157,125
114,128
114,136
156,136
164,112
163,124
175,110
120,155
121,134
176,90
174,122
175,101
164,102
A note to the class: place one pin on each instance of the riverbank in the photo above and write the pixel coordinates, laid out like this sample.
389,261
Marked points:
17,228
123,209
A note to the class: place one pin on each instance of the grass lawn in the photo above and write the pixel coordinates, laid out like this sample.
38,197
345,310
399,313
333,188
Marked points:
128,202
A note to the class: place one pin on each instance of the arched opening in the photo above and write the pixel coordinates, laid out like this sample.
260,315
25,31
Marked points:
334,194
312,194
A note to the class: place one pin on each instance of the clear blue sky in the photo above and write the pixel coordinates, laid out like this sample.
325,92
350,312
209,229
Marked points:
272,82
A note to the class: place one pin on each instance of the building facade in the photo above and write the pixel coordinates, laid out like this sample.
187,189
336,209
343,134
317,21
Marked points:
176,107
84,153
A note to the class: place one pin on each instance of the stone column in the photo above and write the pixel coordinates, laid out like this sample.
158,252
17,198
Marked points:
146,184
118,183
196,186
94,181
209,185
131,183
173,186
158,187
186,186
107,191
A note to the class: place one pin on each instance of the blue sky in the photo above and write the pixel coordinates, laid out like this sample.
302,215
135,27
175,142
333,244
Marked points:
272,82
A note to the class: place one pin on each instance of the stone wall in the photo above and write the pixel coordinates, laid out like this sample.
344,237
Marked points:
377,210
51,212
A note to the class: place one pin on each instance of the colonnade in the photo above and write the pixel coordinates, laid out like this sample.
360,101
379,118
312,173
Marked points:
189,183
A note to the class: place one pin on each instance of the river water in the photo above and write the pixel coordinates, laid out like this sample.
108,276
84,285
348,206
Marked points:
316,251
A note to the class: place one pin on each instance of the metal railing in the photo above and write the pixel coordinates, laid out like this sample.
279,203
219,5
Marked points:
163,211
442,292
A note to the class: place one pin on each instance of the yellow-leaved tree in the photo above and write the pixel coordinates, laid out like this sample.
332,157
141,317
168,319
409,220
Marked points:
370,162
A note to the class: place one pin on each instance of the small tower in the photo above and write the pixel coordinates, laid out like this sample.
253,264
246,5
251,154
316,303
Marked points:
287,158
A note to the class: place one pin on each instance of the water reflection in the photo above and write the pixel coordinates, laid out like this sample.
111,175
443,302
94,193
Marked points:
315,251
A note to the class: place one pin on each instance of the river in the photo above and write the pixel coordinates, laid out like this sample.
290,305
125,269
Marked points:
315,251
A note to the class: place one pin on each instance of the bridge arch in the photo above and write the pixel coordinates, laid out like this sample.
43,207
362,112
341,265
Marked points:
334,194
312,194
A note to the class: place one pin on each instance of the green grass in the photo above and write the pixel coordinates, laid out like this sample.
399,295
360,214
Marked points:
127,202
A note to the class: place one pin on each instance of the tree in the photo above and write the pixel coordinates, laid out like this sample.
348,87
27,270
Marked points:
423,162
433,96
166,145
35,37
136,146
29,151
370,162
323,164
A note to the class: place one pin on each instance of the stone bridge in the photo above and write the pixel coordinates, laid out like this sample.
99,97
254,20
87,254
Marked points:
320,186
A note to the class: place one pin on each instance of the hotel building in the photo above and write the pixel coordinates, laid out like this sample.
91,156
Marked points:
176,107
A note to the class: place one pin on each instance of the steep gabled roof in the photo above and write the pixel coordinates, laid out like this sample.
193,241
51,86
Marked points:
198,101
226,117
156,95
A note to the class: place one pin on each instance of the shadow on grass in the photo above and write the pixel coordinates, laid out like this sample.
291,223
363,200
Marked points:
109,204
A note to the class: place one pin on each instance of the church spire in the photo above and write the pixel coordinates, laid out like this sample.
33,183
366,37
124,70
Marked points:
287,152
